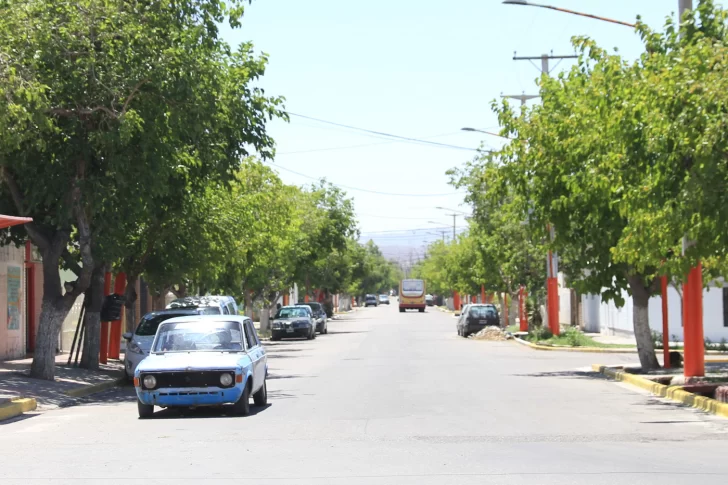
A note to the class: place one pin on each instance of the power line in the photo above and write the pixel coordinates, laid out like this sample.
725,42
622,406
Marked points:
407,230
389,135
363,190
398,218
347,147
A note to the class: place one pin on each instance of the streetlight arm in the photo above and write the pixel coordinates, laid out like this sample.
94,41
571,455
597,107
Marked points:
559,9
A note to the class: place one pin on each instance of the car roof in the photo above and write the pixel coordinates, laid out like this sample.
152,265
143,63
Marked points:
189,301
172,311
209,318
308,303
292,306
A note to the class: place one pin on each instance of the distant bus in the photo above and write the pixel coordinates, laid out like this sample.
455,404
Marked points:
412,295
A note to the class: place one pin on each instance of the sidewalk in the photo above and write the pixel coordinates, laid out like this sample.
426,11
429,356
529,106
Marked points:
70,383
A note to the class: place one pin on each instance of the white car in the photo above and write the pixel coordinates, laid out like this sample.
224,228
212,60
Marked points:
217,304
140,341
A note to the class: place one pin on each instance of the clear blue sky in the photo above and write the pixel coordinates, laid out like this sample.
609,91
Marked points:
421,69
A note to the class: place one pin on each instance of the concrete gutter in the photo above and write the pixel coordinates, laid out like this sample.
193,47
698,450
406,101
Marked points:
597,350
16,407
94,388
675,393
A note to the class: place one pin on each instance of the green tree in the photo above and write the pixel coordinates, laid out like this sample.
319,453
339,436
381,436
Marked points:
98,125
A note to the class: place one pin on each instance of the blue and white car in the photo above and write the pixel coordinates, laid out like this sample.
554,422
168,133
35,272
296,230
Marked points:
203,360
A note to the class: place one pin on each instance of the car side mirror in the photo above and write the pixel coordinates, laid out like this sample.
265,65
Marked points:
127,336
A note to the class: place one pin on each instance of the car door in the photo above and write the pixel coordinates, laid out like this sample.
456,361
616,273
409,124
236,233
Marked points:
255,351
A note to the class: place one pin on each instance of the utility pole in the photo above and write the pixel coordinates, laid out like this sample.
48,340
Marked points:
522,97
552,262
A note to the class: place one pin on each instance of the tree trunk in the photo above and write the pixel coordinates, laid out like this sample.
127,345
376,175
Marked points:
249,304
641,323
94,302
54,309
159,299
130,303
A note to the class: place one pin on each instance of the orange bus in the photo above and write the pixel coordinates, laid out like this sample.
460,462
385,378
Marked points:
412,295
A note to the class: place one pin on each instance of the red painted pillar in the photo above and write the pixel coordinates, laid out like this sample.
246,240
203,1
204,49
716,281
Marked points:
115,334
473,299
694,363
104,347
665,327
456,301
305,298
522,306
482,294
286,297
552,304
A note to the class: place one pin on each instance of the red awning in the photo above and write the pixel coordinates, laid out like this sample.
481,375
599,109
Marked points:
7,221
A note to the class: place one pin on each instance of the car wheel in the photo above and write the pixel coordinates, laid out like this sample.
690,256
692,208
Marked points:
326,328
260,398
422,310
145,410
401,310
274,339
313,334
242,406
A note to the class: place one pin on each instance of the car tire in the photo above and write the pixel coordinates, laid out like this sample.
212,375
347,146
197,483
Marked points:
401,310
260,398
242,405
326,328
274,339
313,334
145,410
422,310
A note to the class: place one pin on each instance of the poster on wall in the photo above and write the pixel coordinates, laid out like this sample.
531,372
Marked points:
13,297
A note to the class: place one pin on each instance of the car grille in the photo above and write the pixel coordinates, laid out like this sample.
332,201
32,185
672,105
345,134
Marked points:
188,379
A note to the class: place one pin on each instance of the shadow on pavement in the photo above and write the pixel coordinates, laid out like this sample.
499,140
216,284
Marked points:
569,373
206,412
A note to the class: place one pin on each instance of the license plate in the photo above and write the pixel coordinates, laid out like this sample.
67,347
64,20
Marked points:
483,322
289,330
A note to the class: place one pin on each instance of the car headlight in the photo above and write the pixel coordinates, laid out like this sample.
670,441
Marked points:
276,324
149,382
134,347
226,379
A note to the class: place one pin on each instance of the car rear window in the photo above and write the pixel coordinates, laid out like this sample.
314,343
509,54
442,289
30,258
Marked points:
148,326
483,312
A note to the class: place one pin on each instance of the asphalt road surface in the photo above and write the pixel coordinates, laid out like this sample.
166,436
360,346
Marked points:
387,398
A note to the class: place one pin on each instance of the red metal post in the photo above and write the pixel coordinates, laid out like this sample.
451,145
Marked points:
115,334
104,347
482,293
694,364
305,298
665,327
456,301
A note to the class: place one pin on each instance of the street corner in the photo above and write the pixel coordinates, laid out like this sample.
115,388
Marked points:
674,393
17,406
90,389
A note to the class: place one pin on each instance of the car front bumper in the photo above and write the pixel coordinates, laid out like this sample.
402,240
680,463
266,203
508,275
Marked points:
320,326
297,332
190,396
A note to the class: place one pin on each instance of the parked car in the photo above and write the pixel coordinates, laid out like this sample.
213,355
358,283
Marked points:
139,342
293,322
319,316
203,360
429,300
475,317
384,299
371,300
213,305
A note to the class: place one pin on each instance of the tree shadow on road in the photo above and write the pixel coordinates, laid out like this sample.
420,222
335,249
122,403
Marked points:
569,373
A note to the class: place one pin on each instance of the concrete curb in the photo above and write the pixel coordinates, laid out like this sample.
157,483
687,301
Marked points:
16,407
675,393
94,388
596,350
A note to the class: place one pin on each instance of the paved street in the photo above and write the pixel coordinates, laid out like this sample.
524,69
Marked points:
387,398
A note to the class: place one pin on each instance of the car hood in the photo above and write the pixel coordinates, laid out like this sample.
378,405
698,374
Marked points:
143,341
199,360
292,320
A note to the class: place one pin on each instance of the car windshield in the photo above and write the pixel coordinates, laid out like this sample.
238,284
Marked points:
483,312
149,324
291,313
198,336
314,306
